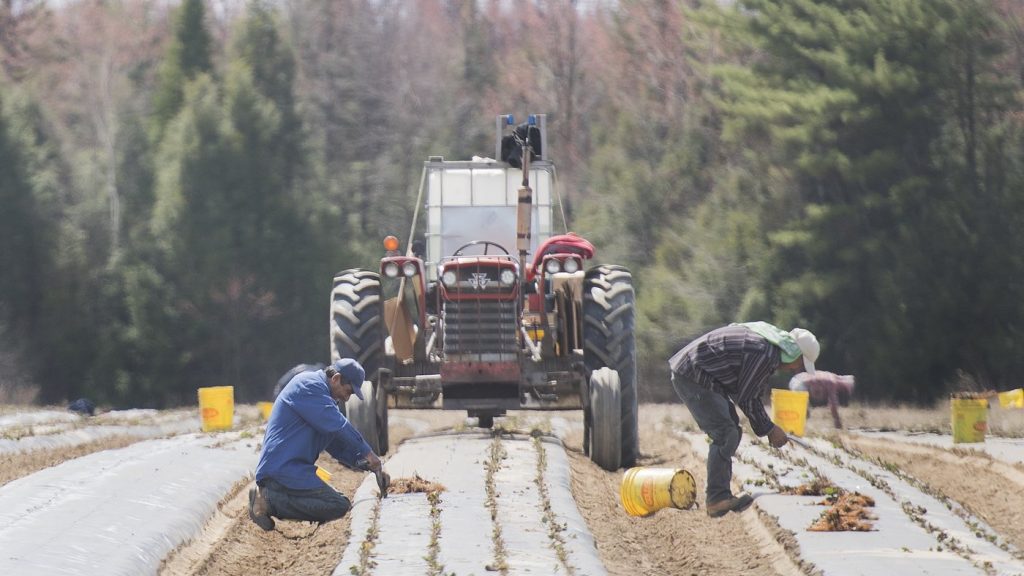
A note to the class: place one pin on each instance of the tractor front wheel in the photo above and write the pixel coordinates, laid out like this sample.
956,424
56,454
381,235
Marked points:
370,417
606,424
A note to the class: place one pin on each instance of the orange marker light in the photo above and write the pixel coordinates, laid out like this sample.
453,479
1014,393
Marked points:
391,243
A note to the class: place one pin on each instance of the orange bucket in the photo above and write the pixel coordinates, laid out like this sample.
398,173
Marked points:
644,491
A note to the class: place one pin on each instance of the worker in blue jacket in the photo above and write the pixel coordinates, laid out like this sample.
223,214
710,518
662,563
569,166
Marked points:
304,422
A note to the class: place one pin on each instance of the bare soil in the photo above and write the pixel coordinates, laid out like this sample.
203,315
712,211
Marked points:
671,542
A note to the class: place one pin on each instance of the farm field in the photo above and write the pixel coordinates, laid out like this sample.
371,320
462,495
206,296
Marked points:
135,492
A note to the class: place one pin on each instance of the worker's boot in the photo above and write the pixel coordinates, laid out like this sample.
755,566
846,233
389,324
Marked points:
259,511
732,504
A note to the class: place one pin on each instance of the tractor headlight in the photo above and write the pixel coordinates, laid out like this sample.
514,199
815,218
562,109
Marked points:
553,266
572,265
507,277
449,278
409,269
391,270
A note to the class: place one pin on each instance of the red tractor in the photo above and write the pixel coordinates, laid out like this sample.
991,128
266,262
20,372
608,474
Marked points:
489,310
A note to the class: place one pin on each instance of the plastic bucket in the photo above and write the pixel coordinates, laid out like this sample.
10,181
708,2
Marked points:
265,408
323,474
1012,398
217,407
789,410
644,491
970,419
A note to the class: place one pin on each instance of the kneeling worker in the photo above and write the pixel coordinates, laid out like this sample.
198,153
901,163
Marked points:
728,368
304,422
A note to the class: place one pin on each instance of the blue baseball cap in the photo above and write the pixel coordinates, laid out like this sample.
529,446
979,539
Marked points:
352,372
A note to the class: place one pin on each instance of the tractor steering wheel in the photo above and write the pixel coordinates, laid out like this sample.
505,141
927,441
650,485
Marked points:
485,243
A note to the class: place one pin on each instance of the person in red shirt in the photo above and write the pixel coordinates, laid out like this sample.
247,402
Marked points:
825,388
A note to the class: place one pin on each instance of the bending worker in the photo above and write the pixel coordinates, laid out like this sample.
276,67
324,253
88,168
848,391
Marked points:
304,422
730,367
825,388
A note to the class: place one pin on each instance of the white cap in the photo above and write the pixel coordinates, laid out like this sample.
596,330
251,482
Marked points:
809,347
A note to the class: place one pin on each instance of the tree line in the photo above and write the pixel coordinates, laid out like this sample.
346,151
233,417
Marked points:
178,184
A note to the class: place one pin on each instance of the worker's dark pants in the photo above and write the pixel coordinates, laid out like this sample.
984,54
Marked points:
321,504
716,416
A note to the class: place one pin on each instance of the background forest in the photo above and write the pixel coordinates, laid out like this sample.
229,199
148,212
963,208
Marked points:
180,180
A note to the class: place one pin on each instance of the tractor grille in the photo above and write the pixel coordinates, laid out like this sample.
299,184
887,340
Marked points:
480,330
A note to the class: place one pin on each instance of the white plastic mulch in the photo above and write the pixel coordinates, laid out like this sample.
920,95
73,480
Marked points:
49,429
1010,450
914,533
118,511
464,542
34,418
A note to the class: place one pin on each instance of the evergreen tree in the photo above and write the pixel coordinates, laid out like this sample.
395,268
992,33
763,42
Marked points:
240,252
272,65
855,105
44,288
26,242
189,54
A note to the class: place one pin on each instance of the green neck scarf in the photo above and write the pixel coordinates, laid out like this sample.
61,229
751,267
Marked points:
777,336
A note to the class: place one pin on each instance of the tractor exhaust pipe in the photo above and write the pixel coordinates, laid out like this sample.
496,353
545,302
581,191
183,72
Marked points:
524,220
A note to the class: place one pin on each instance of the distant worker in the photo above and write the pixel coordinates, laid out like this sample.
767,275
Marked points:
730,367
304,422
825,388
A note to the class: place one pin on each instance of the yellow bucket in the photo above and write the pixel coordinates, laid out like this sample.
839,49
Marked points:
970,419
323,474
1012,398
789,410
217,407
265,408
644,491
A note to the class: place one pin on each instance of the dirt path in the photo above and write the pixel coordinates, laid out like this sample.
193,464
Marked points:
671,542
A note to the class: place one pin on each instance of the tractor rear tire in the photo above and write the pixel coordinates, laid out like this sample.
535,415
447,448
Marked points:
357,332
287,377
365,415
606,426
356,327
609,321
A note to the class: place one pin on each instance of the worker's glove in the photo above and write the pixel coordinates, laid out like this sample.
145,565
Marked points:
383,481
777,437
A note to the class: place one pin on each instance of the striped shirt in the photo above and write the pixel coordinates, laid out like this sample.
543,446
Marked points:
734,361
